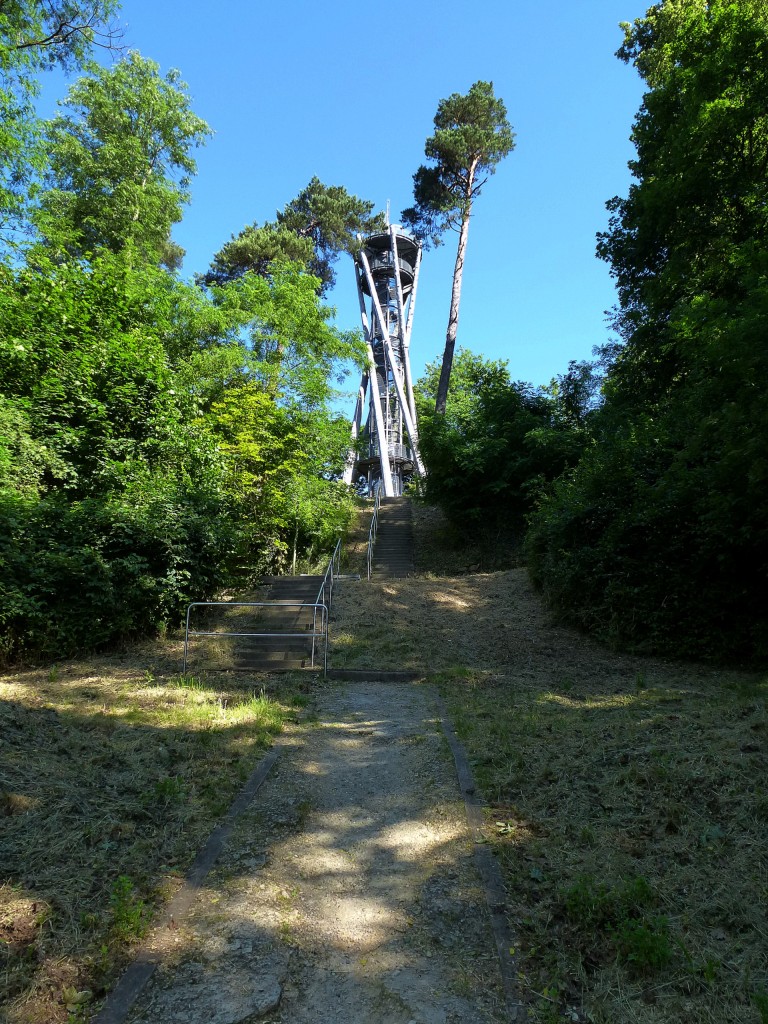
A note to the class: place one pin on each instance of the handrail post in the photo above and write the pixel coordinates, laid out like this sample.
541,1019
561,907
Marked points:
186,642
322,603
326,616
314,631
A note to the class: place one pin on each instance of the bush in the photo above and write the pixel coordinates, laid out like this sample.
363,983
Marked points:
498,441
78,575
658,540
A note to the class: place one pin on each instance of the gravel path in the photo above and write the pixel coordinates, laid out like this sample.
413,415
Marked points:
347,891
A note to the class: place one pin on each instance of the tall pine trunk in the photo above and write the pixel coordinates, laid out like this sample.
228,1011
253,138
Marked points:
453,316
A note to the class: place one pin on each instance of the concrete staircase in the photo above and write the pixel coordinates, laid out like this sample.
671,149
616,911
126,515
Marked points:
393,550
281,653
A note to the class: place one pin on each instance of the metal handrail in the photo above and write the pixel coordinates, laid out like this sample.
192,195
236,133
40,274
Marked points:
374,525
330,574
320,602
321,606
318,608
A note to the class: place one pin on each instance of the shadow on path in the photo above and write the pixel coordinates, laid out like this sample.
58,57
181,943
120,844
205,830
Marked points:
347,892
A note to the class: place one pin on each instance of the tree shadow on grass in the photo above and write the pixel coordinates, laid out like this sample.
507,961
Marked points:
110,779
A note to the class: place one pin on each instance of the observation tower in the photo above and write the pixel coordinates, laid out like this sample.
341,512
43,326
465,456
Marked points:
385,446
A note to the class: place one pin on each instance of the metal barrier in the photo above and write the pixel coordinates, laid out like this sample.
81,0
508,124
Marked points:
320,608
374,525
330,575
315,634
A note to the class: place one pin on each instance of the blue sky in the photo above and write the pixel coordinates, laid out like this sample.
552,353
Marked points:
347,91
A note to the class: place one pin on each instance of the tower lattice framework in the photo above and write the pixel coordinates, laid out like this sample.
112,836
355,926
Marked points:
386,443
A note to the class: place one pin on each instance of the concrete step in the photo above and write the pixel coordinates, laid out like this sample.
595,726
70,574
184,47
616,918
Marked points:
393,551
282,653
277,664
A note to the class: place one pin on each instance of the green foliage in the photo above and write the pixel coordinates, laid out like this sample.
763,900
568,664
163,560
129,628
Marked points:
84,364
644,945
312,230
147,455
281,461
35,37
120,163
472,135
76,575
658,539
169,789
130,915
332,219
293,350
255,250
157,441
497,443
760,1000
620,919
282,447
137,495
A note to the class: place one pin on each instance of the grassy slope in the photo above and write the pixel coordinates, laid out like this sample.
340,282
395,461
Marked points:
113,772
628,797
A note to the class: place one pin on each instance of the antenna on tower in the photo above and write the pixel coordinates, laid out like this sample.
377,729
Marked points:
385,448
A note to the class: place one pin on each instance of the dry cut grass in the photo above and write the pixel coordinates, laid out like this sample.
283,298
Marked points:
628,797
113,771
630,816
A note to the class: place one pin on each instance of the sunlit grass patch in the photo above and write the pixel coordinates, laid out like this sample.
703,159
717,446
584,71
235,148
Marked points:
630,823
112,774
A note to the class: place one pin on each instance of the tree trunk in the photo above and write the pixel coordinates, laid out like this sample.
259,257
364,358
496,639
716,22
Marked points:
453,318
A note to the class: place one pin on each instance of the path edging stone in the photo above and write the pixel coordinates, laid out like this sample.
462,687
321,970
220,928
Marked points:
490,874
373,675
134,979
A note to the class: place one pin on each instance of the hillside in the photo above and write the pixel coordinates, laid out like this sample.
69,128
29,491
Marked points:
625,795
625,798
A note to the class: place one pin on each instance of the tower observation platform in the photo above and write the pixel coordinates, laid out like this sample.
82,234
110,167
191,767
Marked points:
385,442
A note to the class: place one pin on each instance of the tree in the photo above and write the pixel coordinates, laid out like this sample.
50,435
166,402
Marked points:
472,135
57,32
108,486
282,444
254,251
480,467
658,539
120,163
35,37
692,218
314,228
332,219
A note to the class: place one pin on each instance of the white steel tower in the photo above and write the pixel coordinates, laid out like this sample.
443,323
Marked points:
386,445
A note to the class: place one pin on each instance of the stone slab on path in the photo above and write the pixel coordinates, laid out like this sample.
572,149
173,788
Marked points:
347,892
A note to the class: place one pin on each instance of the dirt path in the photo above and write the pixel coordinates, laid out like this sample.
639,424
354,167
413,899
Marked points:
347,892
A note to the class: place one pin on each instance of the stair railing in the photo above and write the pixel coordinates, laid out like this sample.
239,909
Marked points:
319,610
326,587
324,600
374,525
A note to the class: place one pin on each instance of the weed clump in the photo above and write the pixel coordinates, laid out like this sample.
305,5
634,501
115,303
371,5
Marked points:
619,920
